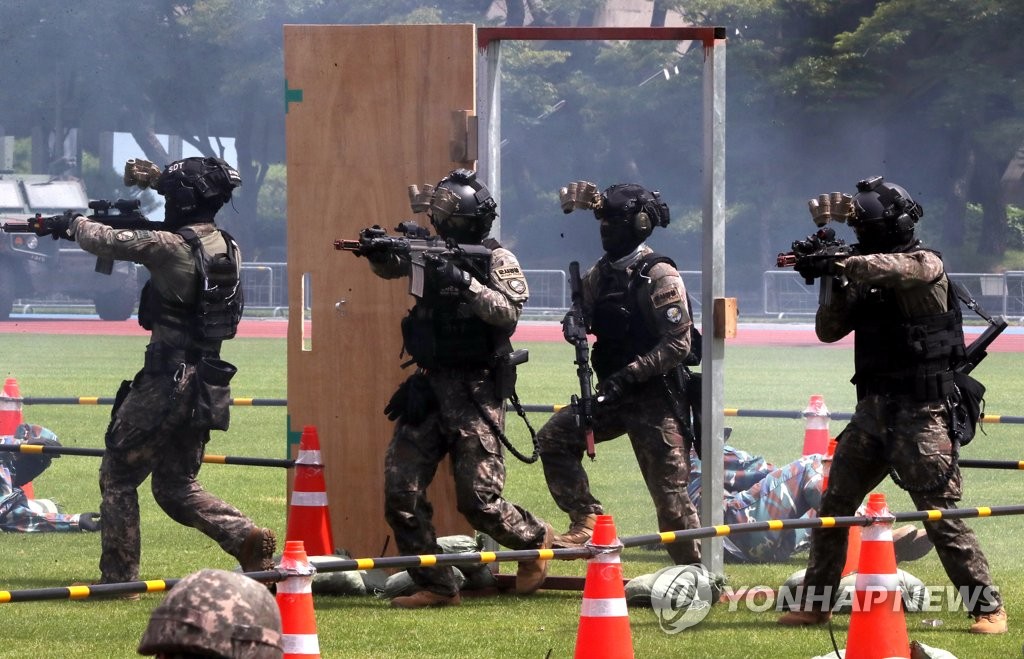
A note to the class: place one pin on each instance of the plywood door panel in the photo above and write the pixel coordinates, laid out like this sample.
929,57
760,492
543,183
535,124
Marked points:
369,112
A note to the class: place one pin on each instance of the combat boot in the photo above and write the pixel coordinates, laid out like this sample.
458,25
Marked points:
257,553
424,599
990,623
578,534
802,618
531,574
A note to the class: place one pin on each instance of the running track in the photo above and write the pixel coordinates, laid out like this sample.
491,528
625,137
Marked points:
765,334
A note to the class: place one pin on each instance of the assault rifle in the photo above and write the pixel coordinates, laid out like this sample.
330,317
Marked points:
574,329
418,247
822,242
128,217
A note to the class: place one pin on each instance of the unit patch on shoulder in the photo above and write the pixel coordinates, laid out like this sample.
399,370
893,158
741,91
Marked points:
508,272
674,314
518,286
667,296
124,235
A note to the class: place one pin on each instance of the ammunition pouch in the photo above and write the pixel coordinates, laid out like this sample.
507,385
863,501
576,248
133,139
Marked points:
212,404
418,340
967,406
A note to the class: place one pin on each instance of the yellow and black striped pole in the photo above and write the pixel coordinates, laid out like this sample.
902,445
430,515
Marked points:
36,449
486,557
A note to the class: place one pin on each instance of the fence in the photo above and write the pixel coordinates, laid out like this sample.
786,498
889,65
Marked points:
786,293
266,288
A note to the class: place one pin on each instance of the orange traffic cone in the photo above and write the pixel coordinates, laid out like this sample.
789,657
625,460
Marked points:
10,407
11,418
308,517
878,628
816,418
295,601
853,532
604,620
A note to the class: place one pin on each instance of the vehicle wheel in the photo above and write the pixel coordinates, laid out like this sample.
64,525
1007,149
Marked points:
117,304
6,290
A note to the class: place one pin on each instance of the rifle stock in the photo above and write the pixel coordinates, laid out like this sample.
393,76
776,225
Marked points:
978,349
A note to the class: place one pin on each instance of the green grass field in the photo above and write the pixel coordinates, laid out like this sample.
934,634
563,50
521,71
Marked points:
543,625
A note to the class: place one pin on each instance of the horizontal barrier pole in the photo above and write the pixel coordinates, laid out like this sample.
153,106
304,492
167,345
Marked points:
992,464
484,557
96,400
36,449
548,409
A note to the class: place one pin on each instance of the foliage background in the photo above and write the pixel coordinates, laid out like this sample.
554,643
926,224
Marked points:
820,94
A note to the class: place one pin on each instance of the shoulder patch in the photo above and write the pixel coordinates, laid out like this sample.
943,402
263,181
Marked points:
509,272
674,314
125,235
667,296
517,286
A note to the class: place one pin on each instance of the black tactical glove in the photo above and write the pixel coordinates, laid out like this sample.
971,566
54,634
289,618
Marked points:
449,274
58,226
815,265
614,386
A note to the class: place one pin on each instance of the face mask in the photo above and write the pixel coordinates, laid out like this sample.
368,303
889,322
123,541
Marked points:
617,237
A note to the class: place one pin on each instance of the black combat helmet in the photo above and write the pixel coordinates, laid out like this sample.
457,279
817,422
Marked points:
462,208
884,216
628,213
195,189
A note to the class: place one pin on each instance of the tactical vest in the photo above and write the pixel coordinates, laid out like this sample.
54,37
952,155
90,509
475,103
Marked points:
617,323
894,355
441,331
219,301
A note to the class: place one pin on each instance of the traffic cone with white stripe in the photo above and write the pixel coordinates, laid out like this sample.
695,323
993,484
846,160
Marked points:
309,519
853,532
11,418
816,418
604,620
295,601
878,627
10,407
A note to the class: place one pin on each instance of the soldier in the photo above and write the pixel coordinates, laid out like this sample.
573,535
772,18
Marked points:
458,333
20,514
908,333
757,491
215,613
635,303
161,420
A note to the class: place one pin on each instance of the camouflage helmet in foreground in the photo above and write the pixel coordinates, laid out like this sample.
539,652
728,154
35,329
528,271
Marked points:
218,614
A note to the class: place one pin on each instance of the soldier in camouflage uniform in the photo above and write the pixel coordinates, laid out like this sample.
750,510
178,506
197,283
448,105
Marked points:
908,333
19,513
458,334
635,303
215,613
161,420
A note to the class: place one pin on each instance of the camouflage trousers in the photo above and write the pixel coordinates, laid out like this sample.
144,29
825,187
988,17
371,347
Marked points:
150,434
645,415
913,439
456,430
